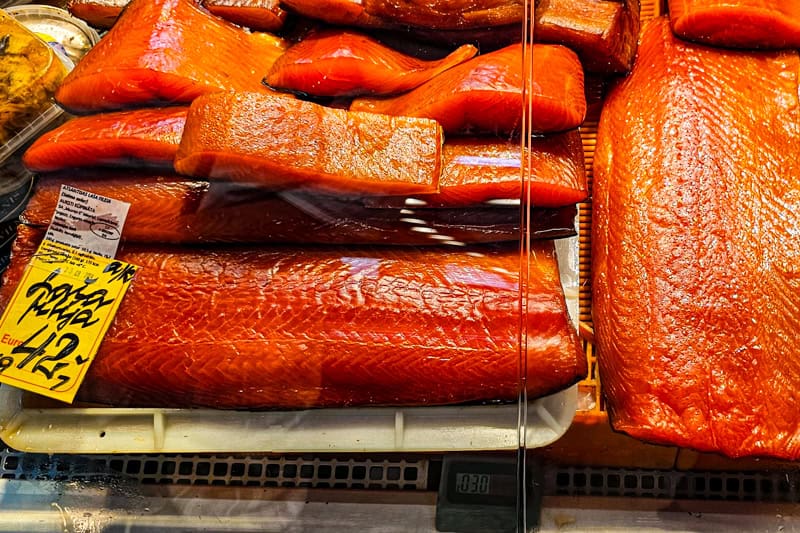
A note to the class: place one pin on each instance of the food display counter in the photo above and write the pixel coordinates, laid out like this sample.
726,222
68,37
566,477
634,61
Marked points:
379,266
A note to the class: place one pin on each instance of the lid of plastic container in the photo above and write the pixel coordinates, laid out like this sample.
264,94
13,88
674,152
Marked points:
8,3
58,28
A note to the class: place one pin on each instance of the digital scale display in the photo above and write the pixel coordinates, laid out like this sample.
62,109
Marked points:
482,484
467,483
478,494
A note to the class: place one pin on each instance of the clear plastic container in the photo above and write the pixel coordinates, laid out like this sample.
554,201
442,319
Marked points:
58,28
10,3
26,95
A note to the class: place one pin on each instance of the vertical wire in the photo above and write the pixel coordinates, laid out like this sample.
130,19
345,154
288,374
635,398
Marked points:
524,266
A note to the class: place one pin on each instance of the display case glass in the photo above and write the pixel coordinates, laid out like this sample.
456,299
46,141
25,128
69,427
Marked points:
335,225
371,243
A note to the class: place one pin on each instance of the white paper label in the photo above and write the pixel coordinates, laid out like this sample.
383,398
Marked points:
88,221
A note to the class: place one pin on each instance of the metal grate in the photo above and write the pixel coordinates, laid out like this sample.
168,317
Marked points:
675,485
258,471
397,474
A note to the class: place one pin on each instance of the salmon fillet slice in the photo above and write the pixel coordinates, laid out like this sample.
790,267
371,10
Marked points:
603,33
484,94
285,327
261,15
98,13
483,169
559,177
434,14
696,251
283,142
167,52
142,137
347,63
738,23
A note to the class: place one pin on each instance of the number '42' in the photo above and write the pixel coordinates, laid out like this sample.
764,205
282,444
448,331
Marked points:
47,365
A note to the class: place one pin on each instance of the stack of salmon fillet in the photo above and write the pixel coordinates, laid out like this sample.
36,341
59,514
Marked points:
696,236
323,218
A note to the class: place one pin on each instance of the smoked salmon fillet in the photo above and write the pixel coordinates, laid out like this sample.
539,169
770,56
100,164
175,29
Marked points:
284,142
347,63
98,13
482,169
261,15
247,328
695,248
177,210
167,52
484,94
556,160
738,23
603,33
142,137
433,14
438,14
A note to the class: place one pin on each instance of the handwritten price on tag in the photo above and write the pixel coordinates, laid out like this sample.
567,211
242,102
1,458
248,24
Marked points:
62,308
72,342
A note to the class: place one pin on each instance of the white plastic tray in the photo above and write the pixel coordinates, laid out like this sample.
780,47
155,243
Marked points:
417,429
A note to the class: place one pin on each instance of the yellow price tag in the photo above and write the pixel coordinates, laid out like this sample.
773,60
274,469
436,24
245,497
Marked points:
57,317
